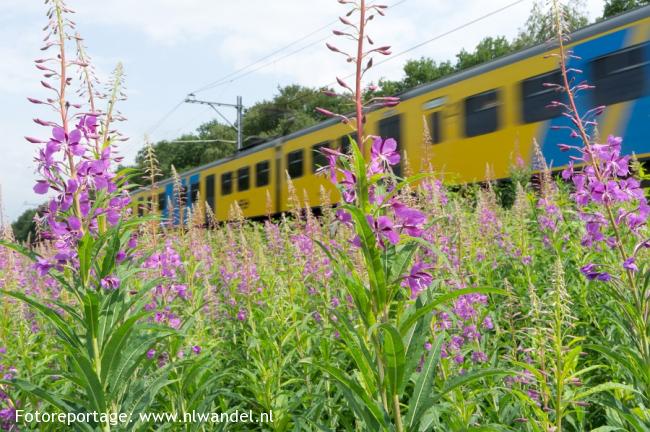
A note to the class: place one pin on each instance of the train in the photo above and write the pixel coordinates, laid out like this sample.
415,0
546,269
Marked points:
476,119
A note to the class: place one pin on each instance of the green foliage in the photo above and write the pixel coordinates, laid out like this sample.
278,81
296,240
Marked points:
537,29
487,49
24,227
292,109
540,25
615,7
186,155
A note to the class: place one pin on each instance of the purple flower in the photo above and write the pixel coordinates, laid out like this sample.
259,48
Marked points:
487,323
629,264
332,157
410,220
196,349
383,227
383,153
110,283
591,273
175,322
470,333
479,357
349,184
151,353
241,315
41,187
418,279
42,266
344,217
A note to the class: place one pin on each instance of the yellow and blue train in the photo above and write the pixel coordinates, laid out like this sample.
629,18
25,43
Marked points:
476,118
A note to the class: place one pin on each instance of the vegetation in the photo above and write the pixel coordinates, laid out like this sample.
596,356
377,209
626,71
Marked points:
615,7
408,307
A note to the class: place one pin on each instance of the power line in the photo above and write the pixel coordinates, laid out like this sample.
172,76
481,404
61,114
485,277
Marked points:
218,81
437,37
165,117
237,75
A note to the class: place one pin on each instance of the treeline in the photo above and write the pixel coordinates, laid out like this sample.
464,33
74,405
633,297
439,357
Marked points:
293,107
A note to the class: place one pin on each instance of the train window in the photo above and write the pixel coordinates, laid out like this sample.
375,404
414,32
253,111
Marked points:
295,163
435,126
209,190
482,113
226,183
194,193
318,158
391,127
162,201
262,170
243,179
622,75
536,97
345,142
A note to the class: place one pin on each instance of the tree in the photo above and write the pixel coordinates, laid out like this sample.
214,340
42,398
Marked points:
487,49
292,109
24,227
184,154
615,7
540,25
416,72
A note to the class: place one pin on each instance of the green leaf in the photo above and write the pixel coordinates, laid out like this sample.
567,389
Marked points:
90,382
374,265
602,388
118,339
422,393
394,356
373,415
66,332
470,377
85,253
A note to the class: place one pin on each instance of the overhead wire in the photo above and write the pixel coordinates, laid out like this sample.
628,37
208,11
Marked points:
228,79
215,83
414,47
238,74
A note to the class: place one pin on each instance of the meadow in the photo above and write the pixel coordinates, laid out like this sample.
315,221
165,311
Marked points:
411,305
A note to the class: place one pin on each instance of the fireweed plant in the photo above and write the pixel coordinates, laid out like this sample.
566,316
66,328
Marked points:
614,210
99,321
385,340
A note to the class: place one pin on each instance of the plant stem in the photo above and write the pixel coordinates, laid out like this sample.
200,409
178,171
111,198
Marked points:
398,414
358,90
63,107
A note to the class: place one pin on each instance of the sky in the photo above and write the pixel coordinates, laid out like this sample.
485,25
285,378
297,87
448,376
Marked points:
170,48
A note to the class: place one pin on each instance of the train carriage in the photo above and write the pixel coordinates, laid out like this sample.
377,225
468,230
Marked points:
478,121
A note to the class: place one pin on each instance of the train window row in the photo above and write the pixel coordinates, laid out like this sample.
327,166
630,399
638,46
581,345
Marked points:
262,178
618,77
623,75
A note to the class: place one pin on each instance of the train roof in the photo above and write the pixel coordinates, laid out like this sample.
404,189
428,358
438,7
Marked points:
583,33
